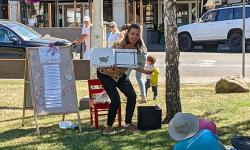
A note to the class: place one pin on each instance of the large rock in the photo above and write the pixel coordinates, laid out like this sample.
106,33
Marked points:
231,84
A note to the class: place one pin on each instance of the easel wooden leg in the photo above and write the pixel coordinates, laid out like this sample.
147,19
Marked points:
36,122
23,117
25,89
79,122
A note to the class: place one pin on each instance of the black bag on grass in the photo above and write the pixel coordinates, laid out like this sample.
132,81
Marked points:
241,142
149,117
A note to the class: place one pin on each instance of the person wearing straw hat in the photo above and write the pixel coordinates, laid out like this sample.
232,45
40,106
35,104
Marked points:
184,128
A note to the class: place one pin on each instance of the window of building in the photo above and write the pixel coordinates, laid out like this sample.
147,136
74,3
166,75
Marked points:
62,14
223,14
182,14
4,9
108,10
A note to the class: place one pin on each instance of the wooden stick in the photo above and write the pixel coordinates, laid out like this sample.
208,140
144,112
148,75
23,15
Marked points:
9,10
49,15
141,12
74,13
127,11
79,121
17,11
25,87
36,122
134,11
91,10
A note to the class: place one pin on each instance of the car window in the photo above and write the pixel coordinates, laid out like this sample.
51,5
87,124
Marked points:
248,12
209,16
238,13
23,31
4,35
223,14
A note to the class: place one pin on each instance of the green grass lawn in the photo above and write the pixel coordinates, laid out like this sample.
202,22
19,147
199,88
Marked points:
231,113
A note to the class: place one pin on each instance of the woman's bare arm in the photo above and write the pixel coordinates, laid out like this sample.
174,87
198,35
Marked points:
142,70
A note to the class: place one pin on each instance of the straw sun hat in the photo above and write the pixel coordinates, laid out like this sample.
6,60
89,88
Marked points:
183,126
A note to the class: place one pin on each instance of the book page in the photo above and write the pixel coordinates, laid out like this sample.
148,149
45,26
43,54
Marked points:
52,86
103,57
126,58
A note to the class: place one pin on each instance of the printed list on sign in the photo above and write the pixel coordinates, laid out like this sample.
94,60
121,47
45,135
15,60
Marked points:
52,85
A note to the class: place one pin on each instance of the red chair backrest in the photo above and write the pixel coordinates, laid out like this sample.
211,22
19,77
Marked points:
95,87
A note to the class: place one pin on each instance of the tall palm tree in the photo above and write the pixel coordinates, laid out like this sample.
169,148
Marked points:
172,95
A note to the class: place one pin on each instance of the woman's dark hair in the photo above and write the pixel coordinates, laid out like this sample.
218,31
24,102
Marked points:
125,27
139,42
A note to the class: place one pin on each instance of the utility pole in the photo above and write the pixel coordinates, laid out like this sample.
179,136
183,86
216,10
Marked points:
97,32
97,28
243,39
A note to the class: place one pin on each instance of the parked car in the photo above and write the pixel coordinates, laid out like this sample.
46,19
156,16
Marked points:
217,26
15,37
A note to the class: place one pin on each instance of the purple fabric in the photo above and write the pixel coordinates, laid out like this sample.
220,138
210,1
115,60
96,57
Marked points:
207,124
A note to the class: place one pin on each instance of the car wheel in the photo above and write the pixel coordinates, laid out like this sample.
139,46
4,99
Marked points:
235,42
210,47
185,42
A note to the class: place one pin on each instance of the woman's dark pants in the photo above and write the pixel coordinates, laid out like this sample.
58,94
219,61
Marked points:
125,86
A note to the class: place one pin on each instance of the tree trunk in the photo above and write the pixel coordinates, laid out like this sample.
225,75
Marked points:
173,103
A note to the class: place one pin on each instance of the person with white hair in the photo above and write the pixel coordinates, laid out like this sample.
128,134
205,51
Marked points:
85,37
114,35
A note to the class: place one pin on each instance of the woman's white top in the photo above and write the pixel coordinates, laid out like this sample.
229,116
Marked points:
113,37
86,31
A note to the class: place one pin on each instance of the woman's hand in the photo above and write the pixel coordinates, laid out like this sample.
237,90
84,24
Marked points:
114,66
149,72
145,71
75,42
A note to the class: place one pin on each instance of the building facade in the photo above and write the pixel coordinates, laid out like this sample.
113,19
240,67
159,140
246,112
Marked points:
4,9
69,13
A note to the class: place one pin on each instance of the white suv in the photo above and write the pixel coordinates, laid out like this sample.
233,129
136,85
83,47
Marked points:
220,25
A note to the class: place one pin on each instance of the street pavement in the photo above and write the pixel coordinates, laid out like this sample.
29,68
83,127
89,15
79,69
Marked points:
202,67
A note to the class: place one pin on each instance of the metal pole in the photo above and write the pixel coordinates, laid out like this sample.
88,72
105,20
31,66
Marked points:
56,16
243,39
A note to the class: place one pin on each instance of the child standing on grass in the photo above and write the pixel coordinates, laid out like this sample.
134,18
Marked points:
152,80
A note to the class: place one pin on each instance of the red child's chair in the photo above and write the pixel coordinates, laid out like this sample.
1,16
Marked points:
96,87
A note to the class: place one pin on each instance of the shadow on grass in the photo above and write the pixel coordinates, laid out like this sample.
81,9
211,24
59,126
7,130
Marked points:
11,108
226,132
90,138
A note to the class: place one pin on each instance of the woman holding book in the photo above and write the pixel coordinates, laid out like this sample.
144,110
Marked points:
115,77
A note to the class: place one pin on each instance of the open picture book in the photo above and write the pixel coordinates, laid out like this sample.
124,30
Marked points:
106,57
